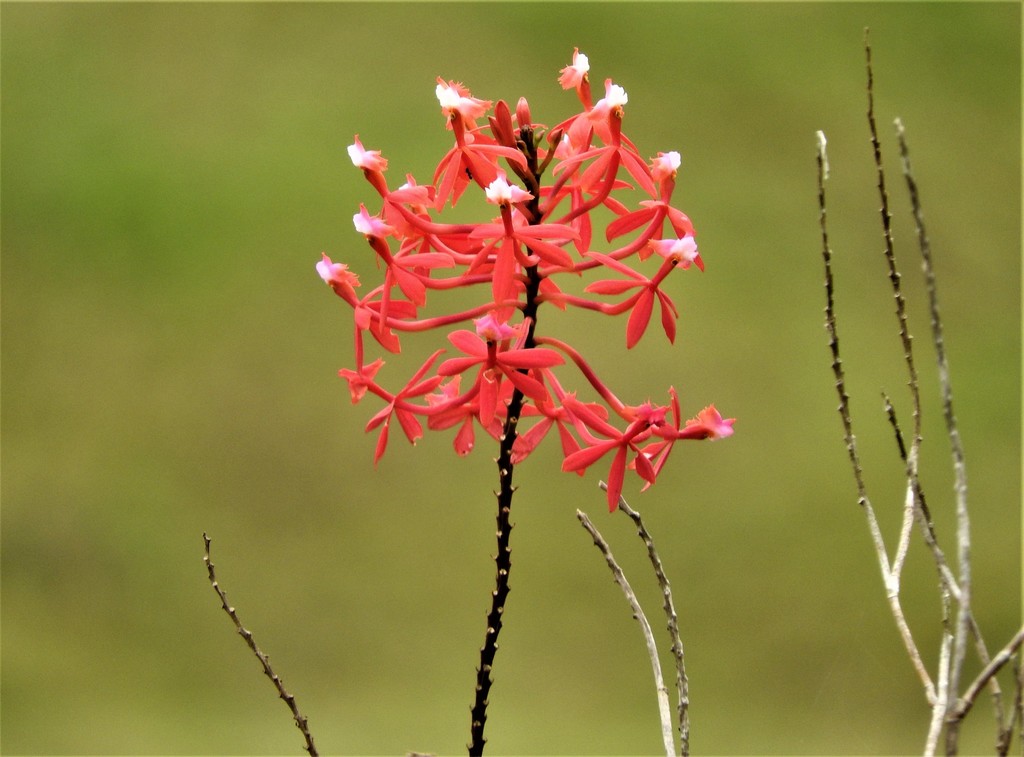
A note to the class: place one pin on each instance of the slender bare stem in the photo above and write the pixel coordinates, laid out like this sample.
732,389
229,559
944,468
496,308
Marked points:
682,683
963,532
916,507
948,667
890,580
908,356
942,696
947,581
948,709
638,613
833,342
890,257
948,585
995,665
300,720
1018,710
906,528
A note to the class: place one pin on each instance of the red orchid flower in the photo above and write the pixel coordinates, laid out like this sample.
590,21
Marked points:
488,348
505,269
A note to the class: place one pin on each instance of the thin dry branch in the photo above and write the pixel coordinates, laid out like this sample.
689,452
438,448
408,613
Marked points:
963,532
947,581
1017,721
638,613
948,584
890,580
915,507
951,663
956,446
995,665
911,455
833,343
941,693
682,683
890,258
942,697
948,709
301,721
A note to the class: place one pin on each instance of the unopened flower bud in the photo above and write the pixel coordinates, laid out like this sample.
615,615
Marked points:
523,114
501,124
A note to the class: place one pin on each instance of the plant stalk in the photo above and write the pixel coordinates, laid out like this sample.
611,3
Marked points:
503,558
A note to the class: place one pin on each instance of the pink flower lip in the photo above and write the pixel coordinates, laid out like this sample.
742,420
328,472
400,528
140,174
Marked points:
369,160
665,165
500,192
573,76
370,226
490,329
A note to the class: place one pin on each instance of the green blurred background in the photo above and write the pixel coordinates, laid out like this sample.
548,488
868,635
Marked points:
170,176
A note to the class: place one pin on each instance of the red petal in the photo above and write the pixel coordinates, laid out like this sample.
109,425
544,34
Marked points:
639,318
587,456
527,442
382,443
640,171
385,336
615,478
503,277
547,231
528,385
550,252
535,357
410,285
587,416
644,468
464,439
427,260
468,342
569,443
616,265
410,424
488,406
456,365
668,318
628,223
611,286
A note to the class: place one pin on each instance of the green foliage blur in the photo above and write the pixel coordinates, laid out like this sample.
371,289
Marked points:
170,176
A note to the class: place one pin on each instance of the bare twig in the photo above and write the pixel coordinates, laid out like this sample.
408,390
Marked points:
950,664
915,508
942,697
963,532
682,684
890,580
947,582
936,323
833,340
912,455
1018,719
300,720
947,708
948,585
638,613
890,257
1002,657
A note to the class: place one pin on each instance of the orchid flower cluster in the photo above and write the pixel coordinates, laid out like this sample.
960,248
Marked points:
503,370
